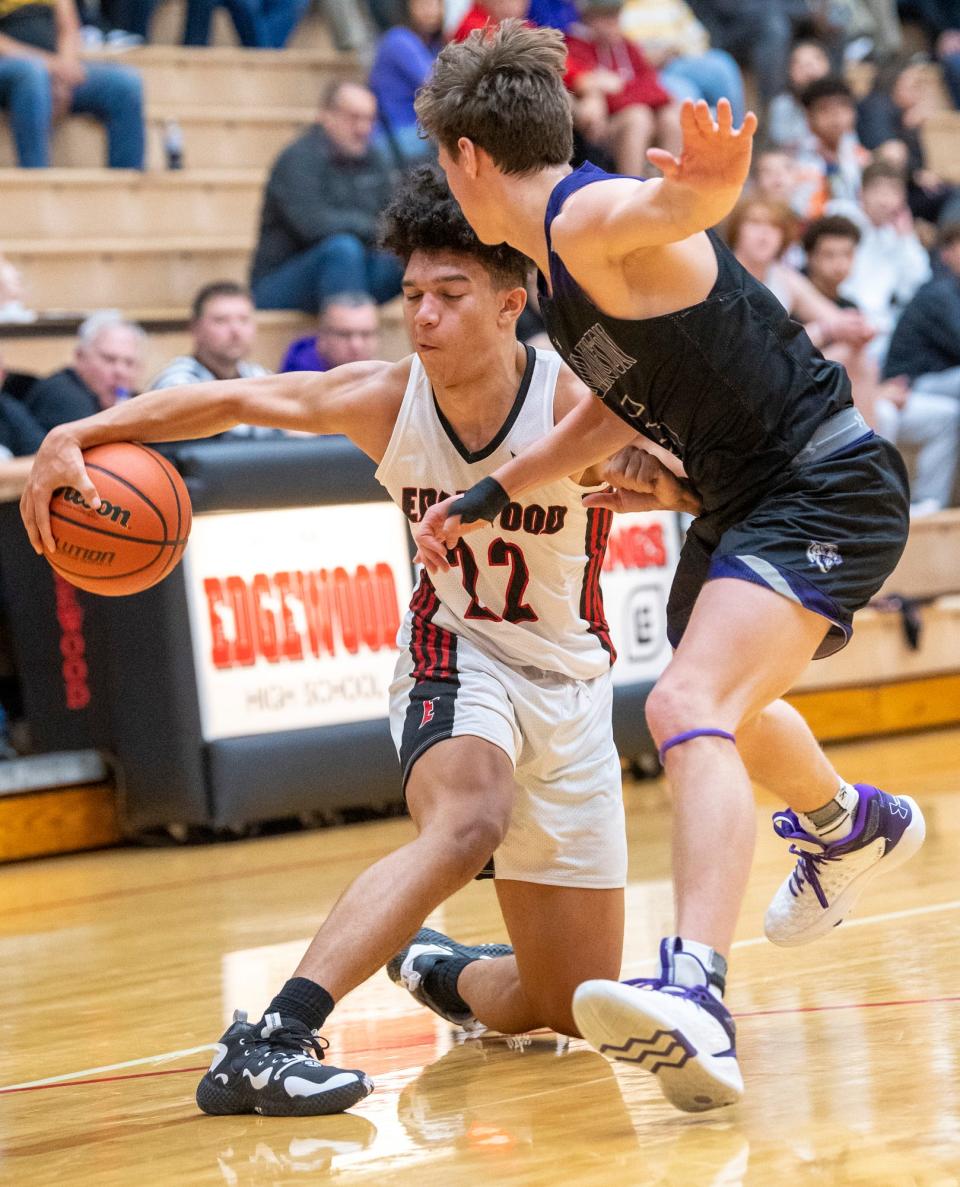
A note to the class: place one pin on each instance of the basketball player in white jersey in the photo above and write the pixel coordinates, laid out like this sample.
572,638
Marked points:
501,706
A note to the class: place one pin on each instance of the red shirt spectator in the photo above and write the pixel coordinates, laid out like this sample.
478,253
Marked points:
491,13
641,85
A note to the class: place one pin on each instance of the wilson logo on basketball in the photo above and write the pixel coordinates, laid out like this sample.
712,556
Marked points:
106,510
288,616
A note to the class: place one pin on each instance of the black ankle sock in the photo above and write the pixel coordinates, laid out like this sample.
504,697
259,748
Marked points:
441,983
304,1000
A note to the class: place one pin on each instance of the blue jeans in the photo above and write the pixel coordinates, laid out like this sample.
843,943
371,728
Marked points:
338,264
113,94
711,76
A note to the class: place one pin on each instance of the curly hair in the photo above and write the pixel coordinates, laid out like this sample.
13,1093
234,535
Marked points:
423,215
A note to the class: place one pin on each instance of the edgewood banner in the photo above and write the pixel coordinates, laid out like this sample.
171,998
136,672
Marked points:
294,614
637,571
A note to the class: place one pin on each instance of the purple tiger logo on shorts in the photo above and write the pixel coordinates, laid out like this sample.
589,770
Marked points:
824,556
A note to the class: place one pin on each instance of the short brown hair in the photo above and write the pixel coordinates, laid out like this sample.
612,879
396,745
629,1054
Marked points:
830,224
210,292
777,213
882,171
503,89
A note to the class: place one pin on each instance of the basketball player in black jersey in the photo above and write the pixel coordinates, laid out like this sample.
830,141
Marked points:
804,513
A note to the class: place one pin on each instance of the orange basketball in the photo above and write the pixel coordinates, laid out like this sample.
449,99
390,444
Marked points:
137,534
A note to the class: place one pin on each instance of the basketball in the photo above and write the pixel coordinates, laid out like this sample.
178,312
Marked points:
136,536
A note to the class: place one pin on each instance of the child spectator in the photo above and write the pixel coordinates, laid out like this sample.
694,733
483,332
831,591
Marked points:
830,167
890,262
787,126
620,103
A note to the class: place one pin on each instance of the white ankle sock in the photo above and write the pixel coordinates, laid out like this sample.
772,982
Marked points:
834,821
692,966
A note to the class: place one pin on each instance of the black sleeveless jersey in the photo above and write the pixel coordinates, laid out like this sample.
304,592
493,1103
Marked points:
732,385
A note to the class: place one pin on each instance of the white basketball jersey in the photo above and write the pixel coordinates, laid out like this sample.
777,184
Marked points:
527,588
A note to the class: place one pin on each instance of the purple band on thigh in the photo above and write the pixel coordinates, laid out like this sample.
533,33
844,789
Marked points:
689,735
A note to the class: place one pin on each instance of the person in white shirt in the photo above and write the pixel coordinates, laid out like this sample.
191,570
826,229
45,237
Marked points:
890,263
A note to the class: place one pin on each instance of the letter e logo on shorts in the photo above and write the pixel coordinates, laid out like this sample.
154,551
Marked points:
428,711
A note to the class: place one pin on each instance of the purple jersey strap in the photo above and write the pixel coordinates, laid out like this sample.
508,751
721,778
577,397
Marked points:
689,735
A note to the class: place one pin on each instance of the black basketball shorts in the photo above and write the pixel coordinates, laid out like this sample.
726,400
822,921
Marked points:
827,537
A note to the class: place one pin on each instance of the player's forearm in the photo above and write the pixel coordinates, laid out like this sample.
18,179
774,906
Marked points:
175,414
686,209
587,435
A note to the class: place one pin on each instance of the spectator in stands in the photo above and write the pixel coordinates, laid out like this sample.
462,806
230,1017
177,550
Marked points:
403,61
678,46
554,14
20,434
348,332
259,24
620,103
107,362
890,263
756,32
891,120
224,329
774,175
926,341
926,424
829,169
940,20
787,125
758,233
42,78
323,198
490,12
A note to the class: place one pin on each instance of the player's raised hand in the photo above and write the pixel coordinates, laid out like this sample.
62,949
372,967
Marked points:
638,481
59,462
715,155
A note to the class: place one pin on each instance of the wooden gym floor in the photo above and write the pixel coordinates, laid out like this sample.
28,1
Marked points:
120,967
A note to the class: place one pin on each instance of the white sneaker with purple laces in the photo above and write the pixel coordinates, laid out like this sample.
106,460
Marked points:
683,1035
829,878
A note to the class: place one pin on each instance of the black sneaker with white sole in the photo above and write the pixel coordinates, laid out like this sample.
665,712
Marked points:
412,967
274,1068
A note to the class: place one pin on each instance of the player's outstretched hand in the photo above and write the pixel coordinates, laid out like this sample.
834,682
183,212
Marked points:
638,481
59,462
715,155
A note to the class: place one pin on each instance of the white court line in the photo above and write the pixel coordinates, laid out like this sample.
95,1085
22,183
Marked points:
886,917
166,1056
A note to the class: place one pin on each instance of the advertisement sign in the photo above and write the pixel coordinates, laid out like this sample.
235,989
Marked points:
637,572
294,614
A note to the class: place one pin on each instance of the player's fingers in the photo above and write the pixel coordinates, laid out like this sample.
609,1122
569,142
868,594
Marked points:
609,499
724,116
703,118
688,119
30,522
88,490
451,530
749,125
41,509
664,161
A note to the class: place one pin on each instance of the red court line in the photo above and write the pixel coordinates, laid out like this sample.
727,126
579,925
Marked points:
177,1071
912,1001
